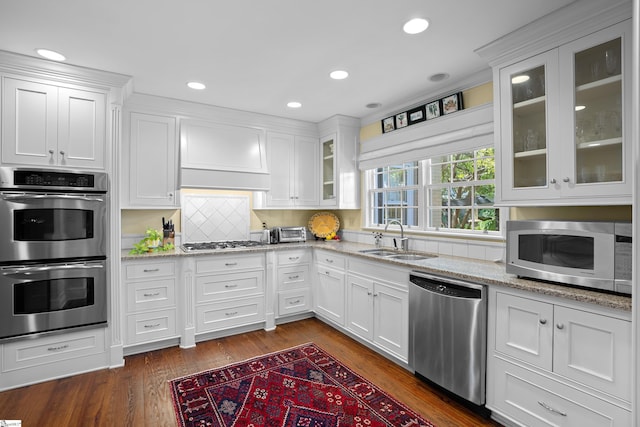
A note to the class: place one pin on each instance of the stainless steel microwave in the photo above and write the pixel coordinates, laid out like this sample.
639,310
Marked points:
590,254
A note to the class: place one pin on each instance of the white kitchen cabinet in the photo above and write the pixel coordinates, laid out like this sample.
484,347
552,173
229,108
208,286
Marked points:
293,167
152,160
329,292
563,123
229,291
149,289
378,306
553,363
339,173
47,125
293,283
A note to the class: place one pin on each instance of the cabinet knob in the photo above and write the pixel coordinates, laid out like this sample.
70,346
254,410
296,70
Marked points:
560,326
566,179
51,152
62,153
553,181
170,194
543,321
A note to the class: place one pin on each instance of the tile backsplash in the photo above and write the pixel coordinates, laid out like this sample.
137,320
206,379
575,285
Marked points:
208,217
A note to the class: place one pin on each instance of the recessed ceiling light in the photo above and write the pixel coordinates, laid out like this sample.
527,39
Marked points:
439,77
196,85
416,26
339,75
50,54
580,107
519,79
374,105
294,104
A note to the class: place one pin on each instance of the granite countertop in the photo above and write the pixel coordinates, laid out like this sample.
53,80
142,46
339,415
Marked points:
486,272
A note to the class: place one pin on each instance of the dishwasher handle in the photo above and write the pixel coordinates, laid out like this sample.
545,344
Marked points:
447,286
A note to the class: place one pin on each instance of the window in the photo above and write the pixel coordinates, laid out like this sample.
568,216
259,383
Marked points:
456,193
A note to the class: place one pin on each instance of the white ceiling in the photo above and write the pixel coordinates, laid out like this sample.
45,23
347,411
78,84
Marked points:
256,55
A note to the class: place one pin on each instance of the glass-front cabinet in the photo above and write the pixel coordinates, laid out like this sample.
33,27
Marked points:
565,123
328,167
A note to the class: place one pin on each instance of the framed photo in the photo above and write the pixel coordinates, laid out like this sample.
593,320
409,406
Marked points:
401,120
416,115
388,124
433,109
452,103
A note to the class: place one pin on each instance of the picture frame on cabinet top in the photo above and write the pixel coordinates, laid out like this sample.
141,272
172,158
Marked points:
433,109
401,120
416,115
452,103
388,124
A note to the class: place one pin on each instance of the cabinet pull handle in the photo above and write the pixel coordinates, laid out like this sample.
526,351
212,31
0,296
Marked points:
294,302
550,409
328,273
231,286
293,277
51,152
543,321
155,325
553,181
293,258
62,153
566,179
330,261
61,347
560,326
151,270
233,313
230,264
369,293
375,295
155,294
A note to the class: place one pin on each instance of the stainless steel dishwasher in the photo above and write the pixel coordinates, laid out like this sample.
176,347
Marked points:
448,334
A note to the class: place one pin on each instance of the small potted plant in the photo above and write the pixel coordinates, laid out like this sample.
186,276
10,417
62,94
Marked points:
152,238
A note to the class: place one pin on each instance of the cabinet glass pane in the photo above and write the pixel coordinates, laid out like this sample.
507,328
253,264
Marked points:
598,113
529,137
328,186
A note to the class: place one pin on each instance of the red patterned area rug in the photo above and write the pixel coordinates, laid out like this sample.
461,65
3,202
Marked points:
300,387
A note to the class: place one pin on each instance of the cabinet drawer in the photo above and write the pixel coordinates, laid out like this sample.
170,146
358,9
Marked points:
302,256
149,270
223,315
296,276
536,400
230,263
42,351
151,326
398,276
330,259
295,301
150,295
223,286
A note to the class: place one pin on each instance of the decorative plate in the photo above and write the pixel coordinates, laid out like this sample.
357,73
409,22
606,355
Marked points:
323,223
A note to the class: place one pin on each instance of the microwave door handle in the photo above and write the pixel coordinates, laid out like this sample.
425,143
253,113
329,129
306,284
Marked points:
29,270
18,197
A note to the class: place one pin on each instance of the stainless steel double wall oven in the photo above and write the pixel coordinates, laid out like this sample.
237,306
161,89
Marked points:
52,251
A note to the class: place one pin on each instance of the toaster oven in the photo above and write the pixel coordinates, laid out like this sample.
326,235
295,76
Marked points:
289,234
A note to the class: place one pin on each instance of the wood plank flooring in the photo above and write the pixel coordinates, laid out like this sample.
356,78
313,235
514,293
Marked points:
138,394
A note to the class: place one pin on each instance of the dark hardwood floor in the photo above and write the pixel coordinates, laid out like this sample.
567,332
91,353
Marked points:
138,394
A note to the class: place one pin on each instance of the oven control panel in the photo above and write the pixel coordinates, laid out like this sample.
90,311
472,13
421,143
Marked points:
47,179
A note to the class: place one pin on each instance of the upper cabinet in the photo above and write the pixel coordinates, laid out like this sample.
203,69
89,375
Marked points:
48,125
339,174
151,160
563,115
294,171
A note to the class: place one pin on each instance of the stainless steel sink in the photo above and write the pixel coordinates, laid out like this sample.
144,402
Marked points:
378,252
410,257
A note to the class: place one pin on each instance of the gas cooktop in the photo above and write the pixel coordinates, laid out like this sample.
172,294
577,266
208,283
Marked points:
224,244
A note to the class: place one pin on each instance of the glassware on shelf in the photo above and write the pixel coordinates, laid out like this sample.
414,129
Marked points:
611,61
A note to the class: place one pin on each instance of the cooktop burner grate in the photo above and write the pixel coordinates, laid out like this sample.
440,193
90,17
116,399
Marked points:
225,244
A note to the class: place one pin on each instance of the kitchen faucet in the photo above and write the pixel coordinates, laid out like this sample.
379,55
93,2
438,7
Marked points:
404,241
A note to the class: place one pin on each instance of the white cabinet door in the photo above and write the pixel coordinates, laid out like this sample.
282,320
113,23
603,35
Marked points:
524,329
152,160
305,182
81,128
360,306
281,164
330,294
594,350
391,319
29,123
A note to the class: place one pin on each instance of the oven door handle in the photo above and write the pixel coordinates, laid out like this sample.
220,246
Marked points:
18,197
30,270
